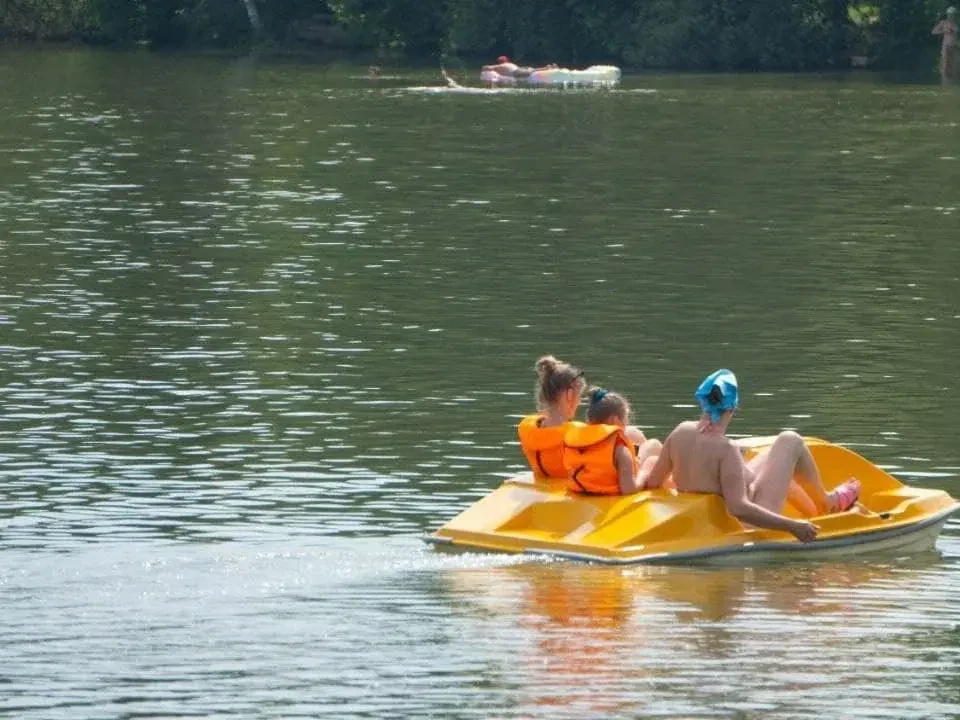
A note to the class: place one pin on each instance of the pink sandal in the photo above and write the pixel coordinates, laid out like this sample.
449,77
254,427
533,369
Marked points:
844,496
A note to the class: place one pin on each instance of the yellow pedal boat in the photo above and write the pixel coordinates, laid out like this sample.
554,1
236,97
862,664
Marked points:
666,527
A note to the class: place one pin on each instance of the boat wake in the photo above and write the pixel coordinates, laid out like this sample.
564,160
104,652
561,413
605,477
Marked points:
440,90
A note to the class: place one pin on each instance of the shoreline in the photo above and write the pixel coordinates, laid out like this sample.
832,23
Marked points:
358,56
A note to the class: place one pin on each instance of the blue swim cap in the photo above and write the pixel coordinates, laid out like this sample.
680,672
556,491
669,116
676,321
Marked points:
718,393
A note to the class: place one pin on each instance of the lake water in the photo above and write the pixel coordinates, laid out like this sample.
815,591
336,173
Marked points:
262,325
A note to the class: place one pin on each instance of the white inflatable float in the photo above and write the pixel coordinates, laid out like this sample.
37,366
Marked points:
593,76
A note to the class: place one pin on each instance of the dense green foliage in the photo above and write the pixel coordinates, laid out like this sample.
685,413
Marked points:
707,34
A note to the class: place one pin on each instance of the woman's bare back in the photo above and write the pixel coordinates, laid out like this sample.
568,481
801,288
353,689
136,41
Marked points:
696,458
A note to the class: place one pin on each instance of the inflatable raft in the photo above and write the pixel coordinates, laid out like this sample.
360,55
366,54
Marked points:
593,76
666,527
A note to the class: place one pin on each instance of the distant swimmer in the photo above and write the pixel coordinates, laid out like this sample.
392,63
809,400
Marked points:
373,72
947,28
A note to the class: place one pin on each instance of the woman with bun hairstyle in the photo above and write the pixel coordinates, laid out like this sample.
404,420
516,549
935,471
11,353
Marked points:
558,390
607,455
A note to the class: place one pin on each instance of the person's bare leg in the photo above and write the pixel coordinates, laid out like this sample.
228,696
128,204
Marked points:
756,462
798,498
774,470
803,494
808,476
649,449
648,463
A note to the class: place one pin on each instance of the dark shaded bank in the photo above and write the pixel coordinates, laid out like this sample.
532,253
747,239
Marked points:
662,34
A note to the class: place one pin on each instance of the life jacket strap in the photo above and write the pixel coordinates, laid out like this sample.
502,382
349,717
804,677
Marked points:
543,470
580,484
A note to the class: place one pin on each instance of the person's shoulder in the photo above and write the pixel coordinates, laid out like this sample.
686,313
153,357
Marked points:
682,437
718,445
685,428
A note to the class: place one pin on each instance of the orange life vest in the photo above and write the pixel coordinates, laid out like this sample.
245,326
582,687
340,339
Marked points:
589,458
543,446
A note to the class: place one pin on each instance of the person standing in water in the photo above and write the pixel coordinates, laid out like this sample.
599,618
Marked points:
947,28
702,459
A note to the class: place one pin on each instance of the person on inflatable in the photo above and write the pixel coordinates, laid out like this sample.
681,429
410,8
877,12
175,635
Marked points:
558,390
702,459
504,66
607,455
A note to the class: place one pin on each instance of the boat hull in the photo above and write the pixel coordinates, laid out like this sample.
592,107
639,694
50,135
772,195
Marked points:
912,540
665,527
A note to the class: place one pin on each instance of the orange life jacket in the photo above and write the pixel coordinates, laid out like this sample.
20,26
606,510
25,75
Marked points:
589,458
543,446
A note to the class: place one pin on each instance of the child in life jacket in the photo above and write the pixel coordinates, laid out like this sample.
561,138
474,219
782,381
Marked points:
606,456
558,390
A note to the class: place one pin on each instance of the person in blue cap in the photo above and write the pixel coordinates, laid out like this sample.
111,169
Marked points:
701,458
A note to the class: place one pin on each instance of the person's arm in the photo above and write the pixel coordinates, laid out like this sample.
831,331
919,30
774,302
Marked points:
624,463
734,491
938,28
635,435
658,474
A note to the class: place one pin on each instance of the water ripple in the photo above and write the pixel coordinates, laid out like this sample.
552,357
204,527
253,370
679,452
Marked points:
261,326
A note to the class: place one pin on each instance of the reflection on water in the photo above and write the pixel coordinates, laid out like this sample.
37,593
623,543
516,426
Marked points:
259,321
595,640
383,627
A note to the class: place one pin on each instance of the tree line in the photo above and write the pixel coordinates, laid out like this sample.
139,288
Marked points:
678,34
